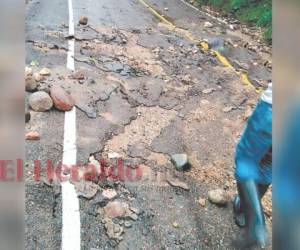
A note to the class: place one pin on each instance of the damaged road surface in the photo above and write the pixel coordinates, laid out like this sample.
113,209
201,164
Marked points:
143,94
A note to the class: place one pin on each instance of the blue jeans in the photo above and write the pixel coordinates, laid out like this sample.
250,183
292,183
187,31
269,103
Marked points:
254,144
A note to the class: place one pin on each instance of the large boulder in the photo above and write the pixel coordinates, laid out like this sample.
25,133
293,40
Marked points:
40,101
61,99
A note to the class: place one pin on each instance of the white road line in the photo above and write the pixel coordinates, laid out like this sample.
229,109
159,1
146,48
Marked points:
202,12
70,204
71,52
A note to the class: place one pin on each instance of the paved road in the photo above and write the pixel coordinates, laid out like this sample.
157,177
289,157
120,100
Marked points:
147,93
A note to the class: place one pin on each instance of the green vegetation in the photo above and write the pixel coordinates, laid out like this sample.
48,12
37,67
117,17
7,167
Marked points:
258,12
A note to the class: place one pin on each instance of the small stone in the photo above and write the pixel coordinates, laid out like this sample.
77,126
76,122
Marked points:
109,194
86,189
228,109
175,225
83,20
45,72
135,210
232,27
178,183
208,91
180,161
27,116
91,80
100,200
61,99
38,77
208,25
79,75
28,72
32,136
186,79
218,197
132,216
202,202
113,231
113,155
30,84
127,224
115,209
166,9
40,101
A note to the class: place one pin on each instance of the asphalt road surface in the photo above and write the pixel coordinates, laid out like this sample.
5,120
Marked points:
145,92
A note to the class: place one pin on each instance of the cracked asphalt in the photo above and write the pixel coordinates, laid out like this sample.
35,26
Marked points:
144,93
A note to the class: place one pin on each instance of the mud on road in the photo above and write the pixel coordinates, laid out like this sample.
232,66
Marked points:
143,92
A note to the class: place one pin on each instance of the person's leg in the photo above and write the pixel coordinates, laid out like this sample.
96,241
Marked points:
253,146
266,176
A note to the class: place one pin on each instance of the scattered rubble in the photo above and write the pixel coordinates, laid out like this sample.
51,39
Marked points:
109,194
32,136
86,189
115,209
40,101
61,99
218,197
113,230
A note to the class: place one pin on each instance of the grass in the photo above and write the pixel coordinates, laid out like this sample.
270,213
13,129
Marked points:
258,12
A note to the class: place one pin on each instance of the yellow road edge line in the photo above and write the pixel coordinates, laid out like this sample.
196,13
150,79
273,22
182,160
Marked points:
204,45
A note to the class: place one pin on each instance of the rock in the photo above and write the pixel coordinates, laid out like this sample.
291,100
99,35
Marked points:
127,224
113,231
208,25
86,189
202,202
91,80
115,209
28,72
175,225
215,43
135,210
40,101
79,75
218,197
109,194
228,109
61,99
177,183
186,79
32,136
83,20
38,77
180,161
30,84
113,155
45,72
166,9
208,91
100,200
132,216
27,116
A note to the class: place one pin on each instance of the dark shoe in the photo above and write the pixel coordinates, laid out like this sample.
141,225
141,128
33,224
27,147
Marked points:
239,215
256,233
